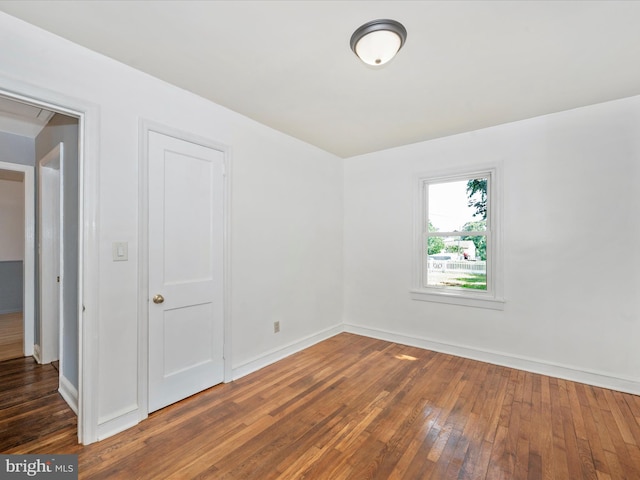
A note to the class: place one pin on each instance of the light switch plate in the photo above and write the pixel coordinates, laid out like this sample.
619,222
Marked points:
120,251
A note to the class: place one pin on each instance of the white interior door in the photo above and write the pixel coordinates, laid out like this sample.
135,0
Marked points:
50,255
185,269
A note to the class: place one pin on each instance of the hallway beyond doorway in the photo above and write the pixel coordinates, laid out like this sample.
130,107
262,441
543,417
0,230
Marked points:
11,336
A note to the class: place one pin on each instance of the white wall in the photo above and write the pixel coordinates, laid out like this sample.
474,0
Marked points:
287,248
12,210
572,268
286,210
11,220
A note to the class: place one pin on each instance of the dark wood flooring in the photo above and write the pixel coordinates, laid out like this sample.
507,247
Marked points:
352,407
31,409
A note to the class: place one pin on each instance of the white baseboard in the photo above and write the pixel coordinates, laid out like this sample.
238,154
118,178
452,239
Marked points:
596,379
69,393
36,353
118,422
273,356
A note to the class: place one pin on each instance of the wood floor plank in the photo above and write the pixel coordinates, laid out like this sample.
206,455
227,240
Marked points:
350,407
544,429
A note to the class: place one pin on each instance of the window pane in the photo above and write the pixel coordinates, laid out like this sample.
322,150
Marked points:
460,262
458,206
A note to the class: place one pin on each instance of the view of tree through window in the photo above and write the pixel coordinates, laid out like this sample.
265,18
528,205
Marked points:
456,236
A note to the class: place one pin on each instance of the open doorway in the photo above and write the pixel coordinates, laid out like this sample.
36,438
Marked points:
12,261
41,147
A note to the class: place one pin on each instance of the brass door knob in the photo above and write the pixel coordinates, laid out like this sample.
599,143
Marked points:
158,298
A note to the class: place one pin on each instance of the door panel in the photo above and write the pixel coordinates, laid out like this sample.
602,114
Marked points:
50,258
188,218
185,268
182,350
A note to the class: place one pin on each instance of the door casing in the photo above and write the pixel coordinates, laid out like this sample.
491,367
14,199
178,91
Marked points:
88,115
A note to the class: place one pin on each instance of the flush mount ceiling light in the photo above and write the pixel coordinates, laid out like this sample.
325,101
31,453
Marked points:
378,41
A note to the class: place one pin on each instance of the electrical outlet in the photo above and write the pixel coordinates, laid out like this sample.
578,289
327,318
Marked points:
276,327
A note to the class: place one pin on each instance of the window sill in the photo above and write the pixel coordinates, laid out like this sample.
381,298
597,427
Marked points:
458,299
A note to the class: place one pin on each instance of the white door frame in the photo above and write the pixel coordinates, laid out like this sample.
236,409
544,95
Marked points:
88,115
51,254
143,254
28,262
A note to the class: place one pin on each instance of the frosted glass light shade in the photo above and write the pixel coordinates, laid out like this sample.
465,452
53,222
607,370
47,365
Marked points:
377,42
379,47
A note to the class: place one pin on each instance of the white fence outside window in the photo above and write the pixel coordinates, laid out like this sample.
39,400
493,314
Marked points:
461,266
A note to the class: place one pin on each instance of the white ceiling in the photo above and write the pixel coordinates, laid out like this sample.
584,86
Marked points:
466,64
22,119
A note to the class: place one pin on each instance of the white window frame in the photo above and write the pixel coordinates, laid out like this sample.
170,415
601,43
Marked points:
492,297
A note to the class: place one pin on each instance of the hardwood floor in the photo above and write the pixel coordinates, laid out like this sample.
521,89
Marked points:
355,407
31,409
11,336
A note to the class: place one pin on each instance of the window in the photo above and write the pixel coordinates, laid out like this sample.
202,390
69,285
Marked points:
458,239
